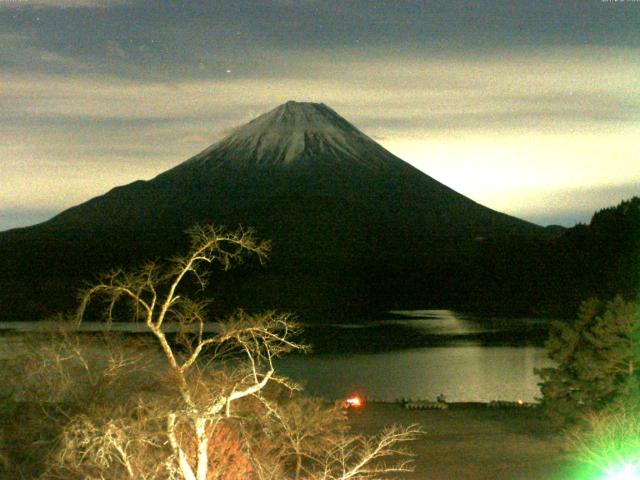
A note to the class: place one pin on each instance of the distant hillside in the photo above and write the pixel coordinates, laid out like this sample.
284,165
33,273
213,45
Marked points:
552,277
603,258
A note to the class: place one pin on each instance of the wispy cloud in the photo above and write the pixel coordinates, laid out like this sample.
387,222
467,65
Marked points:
502,128
567,87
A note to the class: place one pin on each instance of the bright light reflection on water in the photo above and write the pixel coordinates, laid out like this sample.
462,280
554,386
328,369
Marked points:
461,373
463,369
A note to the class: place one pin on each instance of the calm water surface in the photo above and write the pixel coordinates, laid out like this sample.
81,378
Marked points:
410,354
431,352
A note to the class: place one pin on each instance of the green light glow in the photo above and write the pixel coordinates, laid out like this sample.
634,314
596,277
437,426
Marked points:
625,472
609,448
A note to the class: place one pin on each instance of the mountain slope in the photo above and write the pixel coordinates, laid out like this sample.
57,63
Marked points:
297,149
334,202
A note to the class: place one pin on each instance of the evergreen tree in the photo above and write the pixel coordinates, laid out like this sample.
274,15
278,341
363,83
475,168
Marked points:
596,360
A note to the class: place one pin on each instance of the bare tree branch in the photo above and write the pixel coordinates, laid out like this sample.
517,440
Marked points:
204,406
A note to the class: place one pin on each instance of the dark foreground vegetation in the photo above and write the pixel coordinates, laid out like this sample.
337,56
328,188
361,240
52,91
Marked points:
201,407
470,443
593,392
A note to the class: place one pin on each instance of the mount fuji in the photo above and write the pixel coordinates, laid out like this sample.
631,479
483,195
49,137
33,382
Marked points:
350,222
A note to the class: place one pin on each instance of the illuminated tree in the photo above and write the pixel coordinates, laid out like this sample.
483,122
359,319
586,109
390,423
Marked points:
596,360
156,299
204,403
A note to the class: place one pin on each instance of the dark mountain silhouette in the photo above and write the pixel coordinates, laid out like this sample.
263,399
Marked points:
352,225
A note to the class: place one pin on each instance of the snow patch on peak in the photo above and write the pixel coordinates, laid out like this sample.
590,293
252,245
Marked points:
294,119
292,132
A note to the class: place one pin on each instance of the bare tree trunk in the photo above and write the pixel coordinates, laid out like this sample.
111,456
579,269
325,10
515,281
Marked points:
203,446
298,465
183,463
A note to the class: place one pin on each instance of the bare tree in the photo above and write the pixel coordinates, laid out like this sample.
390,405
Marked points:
207,403
359,458
56,379
156,297
316,440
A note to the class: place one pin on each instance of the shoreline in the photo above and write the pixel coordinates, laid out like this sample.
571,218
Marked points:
473,442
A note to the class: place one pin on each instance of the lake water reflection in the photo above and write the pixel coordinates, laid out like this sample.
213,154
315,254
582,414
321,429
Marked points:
408,354
430,352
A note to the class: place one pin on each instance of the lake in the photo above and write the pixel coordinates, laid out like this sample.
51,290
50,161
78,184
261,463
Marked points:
417,354
422,354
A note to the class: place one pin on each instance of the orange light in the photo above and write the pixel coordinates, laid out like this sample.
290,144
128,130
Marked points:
354,402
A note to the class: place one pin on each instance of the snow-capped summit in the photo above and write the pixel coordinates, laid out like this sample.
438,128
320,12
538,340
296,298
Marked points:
295,132
293,160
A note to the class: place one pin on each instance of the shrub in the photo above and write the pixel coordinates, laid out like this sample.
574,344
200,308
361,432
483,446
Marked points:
596,360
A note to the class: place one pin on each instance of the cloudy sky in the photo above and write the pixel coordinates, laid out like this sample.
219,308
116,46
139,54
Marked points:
531,107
